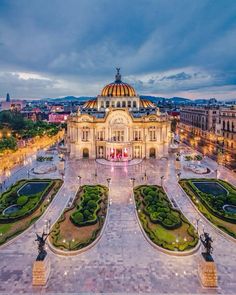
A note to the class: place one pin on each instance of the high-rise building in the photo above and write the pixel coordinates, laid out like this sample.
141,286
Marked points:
8,99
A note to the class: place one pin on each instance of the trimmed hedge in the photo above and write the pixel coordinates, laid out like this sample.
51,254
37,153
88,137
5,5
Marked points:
203,207
35,215
214,204
157,209
31,204
88,206
89,196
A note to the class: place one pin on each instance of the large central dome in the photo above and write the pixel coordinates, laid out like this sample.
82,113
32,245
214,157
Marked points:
118,88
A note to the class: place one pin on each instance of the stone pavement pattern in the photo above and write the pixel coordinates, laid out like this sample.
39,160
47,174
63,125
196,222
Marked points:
122,261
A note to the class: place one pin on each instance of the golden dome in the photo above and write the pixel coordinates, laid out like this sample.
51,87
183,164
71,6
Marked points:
90,104
118,88
145,103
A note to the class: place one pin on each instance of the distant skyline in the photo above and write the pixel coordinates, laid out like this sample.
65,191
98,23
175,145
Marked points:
164,48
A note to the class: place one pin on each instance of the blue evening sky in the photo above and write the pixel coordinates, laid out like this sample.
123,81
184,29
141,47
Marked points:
52,48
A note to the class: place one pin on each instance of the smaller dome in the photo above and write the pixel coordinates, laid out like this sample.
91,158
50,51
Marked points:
118,88
90,104
145,103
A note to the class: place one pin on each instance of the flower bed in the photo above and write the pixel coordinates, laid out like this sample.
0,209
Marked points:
81,224
212,205
167,227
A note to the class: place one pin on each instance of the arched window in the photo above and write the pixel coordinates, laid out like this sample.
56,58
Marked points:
107,104
223,125
85,153
134,104
129,104
152,153
118,104
123,104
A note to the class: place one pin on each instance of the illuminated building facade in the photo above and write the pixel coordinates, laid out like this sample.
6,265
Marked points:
118,125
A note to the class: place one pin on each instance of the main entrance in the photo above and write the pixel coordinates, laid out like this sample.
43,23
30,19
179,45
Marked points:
118,154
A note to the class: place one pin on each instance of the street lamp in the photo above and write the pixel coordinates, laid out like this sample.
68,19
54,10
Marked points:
95,175
145,175
162,177
132,179
179,174
108,182
79,178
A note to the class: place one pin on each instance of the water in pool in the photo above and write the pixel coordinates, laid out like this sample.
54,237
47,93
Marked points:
11,209
32,188
212,188
230,209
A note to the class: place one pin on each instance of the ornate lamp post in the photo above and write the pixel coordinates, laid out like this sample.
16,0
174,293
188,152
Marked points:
79,178
145,175
95,175
179,174
162,177
132,180
108,182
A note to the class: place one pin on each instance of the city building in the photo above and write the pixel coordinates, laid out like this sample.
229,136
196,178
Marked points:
204,118
8,97
118,125
57,118
13,105
211,130
226,127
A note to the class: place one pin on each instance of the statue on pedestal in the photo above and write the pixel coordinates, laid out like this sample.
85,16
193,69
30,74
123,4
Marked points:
41,246
207,243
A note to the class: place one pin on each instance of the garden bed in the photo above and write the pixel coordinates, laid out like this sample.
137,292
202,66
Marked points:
29,207
211,203
81,224
166,226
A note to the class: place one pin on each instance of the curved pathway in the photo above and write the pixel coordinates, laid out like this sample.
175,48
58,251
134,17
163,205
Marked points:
122,261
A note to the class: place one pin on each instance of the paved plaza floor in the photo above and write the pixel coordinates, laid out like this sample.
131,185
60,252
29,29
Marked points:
122,260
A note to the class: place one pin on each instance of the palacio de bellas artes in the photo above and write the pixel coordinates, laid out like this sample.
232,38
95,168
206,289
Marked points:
117,147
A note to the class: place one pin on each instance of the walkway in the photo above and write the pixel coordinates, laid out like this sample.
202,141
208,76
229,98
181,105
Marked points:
122,261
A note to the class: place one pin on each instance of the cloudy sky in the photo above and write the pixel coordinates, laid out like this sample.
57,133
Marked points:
164,48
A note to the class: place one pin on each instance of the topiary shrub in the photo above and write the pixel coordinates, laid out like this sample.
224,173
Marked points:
22,200
78,217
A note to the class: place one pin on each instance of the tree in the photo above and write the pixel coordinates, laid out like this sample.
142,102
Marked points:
173,125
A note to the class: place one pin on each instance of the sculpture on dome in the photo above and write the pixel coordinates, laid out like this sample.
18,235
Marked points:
118,75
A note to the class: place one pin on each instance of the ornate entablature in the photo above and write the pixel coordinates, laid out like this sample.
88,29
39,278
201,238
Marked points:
119,117
118,125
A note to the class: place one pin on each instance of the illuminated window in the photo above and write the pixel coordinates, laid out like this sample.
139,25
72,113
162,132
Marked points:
85,134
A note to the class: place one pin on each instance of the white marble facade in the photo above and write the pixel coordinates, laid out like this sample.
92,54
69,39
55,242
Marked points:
114,128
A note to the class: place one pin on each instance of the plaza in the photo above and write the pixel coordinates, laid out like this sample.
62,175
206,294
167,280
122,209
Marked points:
122,260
